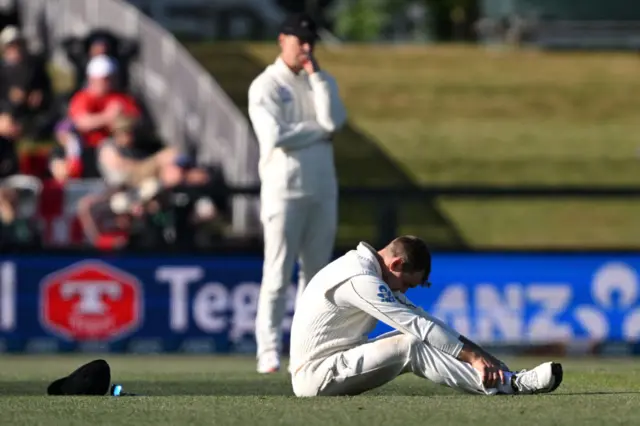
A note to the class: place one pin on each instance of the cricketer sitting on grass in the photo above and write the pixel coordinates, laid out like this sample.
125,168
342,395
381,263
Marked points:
330,352
295,108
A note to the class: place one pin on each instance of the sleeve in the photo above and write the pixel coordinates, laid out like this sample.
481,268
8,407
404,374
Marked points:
44,84
373,296
421,312
40,79
330,110
77,106
265,112
131,107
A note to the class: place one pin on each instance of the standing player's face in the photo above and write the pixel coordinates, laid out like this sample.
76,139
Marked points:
294,50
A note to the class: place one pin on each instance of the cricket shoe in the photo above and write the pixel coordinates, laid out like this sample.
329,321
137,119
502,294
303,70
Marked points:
268,363
544,378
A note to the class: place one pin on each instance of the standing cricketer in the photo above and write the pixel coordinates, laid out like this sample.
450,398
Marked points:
295,108
330,352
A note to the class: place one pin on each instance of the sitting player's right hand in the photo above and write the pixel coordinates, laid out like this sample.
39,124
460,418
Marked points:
490,373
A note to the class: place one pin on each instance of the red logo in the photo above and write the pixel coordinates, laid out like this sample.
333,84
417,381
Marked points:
91,301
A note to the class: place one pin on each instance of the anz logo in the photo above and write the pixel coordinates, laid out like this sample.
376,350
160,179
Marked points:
605,306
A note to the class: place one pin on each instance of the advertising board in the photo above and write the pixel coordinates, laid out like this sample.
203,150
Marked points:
199,304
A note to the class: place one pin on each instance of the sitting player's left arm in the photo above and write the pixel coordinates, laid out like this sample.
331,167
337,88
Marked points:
402,298
373,296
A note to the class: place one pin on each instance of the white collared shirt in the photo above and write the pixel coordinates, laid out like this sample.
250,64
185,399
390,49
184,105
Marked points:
343,303
294,116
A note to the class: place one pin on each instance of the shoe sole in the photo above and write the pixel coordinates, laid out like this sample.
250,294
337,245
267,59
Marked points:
557,373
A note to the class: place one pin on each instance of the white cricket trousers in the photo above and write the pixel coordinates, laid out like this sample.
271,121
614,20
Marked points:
381,360
301,229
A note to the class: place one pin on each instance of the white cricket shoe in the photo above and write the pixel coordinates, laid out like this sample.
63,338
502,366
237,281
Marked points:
544,378
268,363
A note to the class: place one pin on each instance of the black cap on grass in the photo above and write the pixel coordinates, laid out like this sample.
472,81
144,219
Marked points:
93,378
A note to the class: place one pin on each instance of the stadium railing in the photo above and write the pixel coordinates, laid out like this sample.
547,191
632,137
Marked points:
558,34
383,214
389,200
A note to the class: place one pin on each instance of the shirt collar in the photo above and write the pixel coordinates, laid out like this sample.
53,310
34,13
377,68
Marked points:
365,250
283,69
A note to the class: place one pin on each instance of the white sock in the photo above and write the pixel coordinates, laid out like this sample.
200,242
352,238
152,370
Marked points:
506,387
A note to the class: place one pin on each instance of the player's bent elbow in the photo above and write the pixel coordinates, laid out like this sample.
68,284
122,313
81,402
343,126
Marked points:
330,126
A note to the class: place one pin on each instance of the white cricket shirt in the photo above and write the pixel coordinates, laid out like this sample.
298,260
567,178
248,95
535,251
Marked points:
294,116
343,303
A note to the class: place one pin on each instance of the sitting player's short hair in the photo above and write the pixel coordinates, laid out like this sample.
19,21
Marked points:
414,252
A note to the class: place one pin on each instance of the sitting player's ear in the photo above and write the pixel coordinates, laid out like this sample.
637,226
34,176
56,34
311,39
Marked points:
397,265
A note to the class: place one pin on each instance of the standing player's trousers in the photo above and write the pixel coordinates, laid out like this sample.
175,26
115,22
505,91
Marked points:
301,229
380,361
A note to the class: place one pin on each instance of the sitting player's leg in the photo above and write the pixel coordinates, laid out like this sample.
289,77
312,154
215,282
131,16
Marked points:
381,360
357,370
544,378
444,369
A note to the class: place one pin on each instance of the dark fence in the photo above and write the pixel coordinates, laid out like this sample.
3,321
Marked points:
380,208
390,200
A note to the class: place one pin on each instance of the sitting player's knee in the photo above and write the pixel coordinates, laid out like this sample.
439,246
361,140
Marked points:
407,343
304,388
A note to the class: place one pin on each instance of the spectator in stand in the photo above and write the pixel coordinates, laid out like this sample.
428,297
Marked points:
121,161
10,131
93,110
25,87
100,42
135,183
8,167
64,161
18,193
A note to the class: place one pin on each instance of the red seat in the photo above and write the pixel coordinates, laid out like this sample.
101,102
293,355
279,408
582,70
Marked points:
35,163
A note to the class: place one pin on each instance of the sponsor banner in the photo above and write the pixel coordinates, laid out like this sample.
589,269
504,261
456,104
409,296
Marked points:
132,305
569,303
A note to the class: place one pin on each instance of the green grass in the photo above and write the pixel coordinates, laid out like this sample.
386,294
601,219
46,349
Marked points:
225,391
460,115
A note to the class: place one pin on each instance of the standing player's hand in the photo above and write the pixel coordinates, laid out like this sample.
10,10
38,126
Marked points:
310,64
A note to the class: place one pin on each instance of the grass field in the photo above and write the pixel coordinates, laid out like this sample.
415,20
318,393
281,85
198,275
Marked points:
226,391
462,114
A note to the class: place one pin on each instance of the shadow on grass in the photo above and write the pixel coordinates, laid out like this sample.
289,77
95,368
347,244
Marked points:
595,393
168,388
257,388
359,160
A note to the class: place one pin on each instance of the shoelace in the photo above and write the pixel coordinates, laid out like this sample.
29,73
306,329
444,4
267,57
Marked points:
528,381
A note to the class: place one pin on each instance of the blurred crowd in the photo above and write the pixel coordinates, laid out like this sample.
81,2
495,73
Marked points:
149,193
